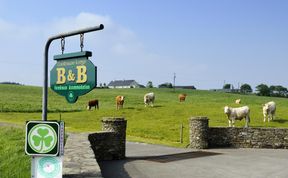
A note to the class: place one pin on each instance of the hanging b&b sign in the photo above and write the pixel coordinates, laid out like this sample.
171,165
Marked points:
73,75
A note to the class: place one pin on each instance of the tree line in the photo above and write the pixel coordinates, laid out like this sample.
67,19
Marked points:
261,90
11,83
273,90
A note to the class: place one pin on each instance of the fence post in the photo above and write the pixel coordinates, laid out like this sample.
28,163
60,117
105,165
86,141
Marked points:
181,133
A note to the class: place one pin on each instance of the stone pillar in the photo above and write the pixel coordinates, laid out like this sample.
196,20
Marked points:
198,132
118,126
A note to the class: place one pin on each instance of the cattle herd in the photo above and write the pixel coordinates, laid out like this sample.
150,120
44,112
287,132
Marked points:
149,99
233,114
240,113
119,100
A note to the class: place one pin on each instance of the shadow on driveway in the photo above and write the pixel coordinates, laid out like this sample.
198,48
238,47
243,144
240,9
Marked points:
118,168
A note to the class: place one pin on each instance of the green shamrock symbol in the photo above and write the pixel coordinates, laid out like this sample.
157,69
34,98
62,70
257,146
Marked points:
42,139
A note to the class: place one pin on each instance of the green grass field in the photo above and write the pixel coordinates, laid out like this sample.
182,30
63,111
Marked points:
160,124
13,161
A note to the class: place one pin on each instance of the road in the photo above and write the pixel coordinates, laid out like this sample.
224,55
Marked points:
155,161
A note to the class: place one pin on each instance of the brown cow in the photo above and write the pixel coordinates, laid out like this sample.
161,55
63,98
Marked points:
92,103
119,102
182,97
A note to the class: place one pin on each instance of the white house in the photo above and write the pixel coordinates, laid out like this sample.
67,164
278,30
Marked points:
124,84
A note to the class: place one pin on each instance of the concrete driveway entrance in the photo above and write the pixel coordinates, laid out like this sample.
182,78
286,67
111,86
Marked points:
155,161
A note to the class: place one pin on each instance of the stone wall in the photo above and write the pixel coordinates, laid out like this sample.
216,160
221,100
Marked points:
201,134
110,144
248,137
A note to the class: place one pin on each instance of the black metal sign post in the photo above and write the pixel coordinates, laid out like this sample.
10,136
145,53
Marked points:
49,41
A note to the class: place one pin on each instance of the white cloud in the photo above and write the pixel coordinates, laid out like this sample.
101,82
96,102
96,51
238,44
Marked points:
82,20
117,52
23,46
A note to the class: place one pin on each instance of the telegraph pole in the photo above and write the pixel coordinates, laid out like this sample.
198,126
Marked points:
174,81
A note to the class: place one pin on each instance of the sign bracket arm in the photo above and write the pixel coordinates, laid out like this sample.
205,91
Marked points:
49,41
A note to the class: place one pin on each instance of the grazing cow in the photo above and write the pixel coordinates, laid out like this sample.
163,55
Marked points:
237,114
238,101
92,103
182,97
269,110
119,102
149,99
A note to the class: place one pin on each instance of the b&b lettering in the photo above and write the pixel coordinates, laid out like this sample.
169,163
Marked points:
61,79
82,76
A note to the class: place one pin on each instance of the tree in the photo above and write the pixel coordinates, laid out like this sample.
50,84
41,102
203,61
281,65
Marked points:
227,86
165,85
246,88
278,91
282,90
263,90
149,84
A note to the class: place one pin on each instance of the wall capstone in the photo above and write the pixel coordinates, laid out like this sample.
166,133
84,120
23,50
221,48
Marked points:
110,144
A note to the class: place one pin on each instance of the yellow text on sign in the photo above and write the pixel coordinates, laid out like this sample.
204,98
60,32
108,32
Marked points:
63,76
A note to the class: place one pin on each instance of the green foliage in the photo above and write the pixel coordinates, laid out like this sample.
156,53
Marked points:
149,84
227,86
166,85
13,161
263,90
245,88
278,91
273,90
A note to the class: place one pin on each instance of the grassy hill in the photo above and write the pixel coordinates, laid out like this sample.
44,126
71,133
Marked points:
160,124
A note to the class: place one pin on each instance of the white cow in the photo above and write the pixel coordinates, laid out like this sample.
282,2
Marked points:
149,99
269,110
238,101
237,114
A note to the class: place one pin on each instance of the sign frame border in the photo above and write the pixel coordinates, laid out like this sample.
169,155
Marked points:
42,122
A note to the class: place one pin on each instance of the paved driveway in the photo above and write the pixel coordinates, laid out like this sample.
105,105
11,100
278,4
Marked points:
155,161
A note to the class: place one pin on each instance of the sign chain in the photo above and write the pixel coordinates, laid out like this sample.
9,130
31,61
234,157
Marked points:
62,44
81,41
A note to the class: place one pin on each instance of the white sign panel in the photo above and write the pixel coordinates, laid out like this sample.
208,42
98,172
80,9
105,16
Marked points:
46,167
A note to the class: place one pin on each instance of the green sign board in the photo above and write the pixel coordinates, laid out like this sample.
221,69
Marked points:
73,75
42,138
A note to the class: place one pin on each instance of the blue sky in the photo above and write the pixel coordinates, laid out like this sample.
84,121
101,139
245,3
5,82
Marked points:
206,43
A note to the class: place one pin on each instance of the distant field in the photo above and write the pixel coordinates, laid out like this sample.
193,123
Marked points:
156,125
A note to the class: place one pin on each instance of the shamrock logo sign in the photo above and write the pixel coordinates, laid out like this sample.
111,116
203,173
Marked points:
42,138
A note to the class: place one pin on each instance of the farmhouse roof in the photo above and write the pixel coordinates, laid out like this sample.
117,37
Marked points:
122,83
